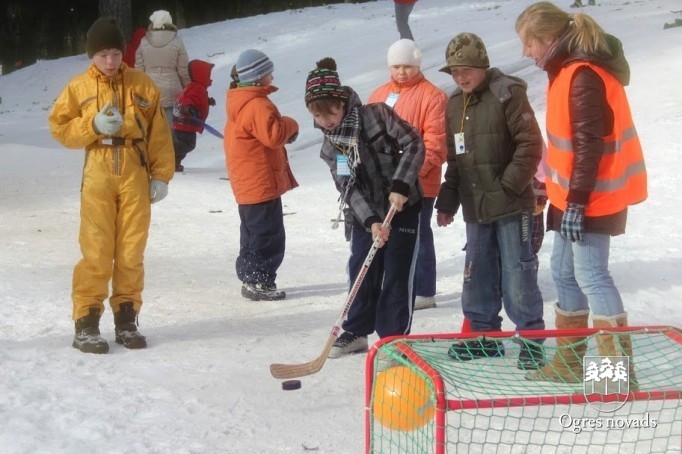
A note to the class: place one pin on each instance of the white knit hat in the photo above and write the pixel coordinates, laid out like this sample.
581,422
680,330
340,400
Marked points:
160,18
404,52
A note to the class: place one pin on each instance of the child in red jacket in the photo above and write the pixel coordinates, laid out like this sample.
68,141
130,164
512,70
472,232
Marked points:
133,44
191,109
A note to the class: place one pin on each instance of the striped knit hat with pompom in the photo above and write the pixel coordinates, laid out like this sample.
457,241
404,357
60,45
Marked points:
323,82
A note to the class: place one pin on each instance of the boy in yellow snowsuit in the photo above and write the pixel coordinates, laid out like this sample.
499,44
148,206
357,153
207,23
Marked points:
113,111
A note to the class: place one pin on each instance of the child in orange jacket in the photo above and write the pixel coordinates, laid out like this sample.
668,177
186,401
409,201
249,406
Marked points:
257,162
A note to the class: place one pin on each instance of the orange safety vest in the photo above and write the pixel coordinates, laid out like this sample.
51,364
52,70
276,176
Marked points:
621,179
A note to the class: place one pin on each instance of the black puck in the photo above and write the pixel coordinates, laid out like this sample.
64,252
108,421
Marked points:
290,385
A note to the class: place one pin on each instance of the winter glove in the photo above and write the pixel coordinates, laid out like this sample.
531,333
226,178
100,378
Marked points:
107,121
211,102
158,190
572,222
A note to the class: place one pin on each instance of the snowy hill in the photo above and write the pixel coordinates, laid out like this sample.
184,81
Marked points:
203,385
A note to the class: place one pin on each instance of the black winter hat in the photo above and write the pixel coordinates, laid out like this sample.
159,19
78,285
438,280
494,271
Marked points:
104,33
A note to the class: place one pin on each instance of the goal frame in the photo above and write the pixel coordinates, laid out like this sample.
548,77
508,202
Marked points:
443,405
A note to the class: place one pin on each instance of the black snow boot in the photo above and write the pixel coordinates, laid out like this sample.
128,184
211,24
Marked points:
126,327
262,292
87,338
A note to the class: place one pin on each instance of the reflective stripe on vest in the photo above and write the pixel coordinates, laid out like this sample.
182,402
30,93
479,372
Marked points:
621,178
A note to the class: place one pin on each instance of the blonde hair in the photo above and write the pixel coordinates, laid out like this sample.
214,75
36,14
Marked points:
545,20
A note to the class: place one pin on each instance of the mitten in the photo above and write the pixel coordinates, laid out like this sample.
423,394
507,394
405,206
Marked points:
211,102
572,222
158,190
107,121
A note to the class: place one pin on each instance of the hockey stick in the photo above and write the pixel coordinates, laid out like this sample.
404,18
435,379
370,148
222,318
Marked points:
283,371
213,130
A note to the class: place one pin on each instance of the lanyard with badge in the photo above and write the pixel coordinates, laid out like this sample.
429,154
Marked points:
392,99
342,165
460,147
343,169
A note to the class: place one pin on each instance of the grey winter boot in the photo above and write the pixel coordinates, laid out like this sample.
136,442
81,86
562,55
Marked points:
87,338
126,327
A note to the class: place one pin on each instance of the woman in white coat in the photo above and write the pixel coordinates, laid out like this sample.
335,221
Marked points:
162,55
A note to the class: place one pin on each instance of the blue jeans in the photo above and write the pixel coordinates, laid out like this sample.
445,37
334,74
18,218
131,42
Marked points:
499,259
581,274
426,258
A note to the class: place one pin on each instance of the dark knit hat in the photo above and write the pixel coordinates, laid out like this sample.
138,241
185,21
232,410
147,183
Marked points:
252,65
323,82
104,33
466,49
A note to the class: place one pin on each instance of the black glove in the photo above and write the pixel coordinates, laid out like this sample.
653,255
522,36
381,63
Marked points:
572,222
211,102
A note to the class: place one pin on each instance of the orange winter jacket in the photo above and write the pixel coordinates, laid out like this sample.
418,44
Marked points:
621,178
422,104
255,135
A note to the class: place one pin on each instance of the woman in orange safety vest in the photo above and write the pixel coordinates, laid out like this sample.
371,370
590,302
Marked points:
595,171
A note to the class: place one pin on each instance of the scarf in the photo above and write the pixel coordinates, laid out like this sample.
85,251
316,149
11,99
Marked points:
345,138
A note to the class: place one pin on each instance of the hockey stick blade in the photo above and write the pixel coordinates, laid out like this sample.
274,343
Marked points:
284,371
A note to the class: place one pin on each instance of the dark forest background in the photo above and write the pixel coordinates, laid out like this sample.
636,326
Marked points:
33,30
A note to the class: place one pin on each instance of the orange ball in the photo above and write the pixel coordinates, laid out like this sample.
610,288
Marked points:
402,399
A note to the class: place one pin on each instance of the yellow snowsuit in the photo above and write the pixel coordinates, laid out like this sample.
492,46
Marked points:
115,200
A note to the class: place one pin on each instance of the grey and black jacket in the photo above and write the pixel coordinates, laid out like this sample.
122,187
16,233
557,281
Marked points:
391,153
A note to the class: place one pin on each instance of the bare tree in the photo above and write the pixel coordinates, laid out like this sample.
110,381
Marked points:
179,15
122,11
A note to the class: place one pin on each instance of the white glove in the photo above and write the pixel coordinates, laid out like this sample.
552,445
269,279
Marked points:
158,190
107,121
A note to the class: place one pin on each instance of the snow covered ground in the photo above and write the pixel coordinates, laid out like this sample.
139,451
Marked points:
203,385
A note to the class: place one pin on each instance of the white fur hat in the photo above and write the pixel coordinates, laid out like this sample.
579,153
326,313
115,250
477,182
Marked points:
404,52
160,18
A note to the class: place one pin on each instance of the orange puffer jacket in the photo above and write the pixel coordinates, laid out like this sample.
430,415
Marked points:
422,104
255,136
